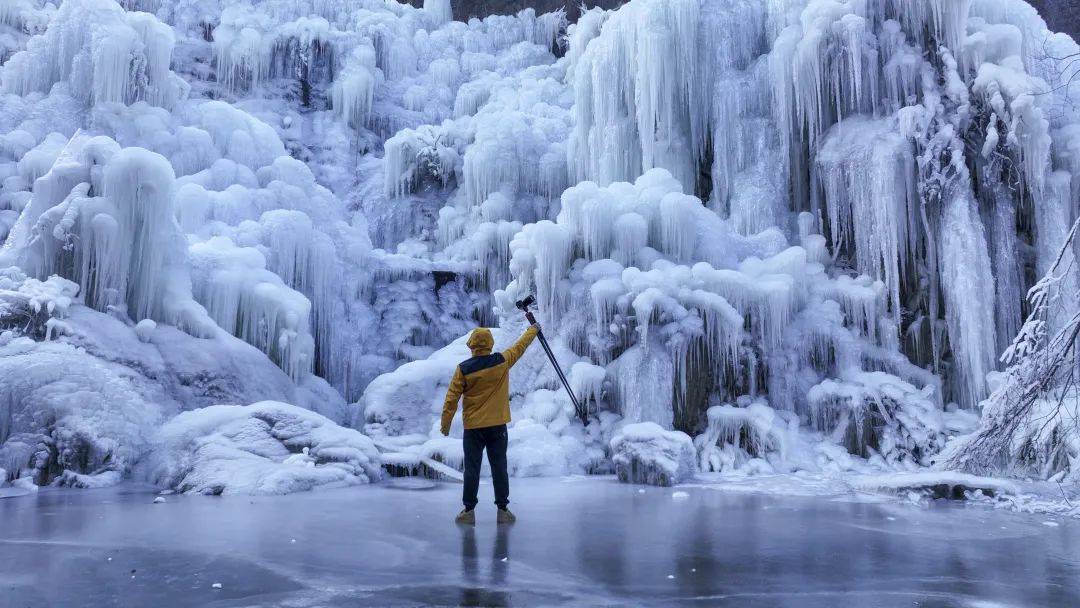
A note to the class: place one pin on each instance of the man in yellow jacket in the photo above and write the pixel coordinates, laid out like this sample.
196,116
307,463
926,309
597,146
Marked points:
484,381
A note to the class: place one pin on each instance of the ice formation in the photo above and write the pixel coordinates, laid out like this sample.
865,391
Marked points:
263,448
738,434
787,230
645,453
85,391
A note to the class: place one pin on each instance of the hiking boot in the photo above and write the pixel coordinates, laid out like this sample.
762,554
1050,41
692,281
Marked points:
506,517
466,517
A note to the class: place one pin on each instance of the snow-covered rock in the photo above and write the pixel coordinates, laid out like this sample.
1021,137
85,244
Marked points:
645,453
262,448
81,401
103,479
938,484
737,434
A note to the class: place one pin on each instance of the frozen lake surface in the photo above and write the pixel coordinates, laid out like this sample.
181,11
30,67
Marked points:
578,542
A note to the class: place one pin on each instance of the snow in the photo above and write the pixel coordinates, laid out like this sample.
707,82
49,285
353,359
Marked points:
401,412
645,453
24,484
738,434
82,406
262,448
947,484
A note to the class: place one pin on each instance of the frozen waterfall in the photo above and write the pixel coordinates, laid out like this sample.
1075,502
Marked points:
771,226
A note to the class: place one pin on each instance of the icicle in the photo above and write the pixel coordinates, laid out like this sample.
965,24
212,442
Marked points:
304,258
470,97
253,303
106,53
644,384
353,92
158,40
540,256
139,184
678,226
636,95
967,283
904,66
580,34
752,428
1006,263
605,292
862,300
769,297
1053,217
588,381
439,11
868,176
630,233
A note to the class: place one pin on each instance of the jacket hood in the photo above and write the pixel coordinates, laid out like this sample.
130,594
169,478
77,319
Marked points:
481,342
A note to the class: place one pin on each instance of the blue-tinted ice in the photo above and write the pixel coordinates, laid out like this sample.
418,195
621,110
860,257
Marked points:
578,542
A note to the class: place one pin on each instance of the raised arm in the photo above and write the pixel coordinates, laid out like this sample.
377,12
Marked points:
457,386
515,352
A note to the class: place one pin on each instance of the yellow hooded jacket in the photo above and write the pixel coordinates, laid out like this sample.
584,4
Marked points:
484,380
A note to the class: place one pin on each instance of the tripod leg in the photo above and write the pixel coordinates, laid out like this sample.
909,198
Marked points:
566,384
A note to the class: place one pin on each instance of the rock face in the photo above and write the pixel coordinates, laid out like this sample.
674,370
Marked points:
1060,15
466,9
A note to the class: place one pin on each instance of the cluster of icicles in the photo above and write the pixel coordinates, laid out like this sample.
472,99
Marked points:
214,226
768,199
898,129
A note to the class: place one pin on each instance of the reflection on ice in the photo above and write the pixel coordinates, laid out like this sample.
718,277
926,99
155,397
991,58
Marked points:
578,542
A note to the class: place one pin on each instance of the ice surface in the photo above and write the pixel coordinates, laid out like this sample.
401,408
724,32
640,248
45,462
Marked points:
376,545
827,210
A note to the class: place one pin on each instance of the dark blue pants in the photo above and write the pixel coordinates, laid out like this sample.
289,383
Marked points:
493,439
